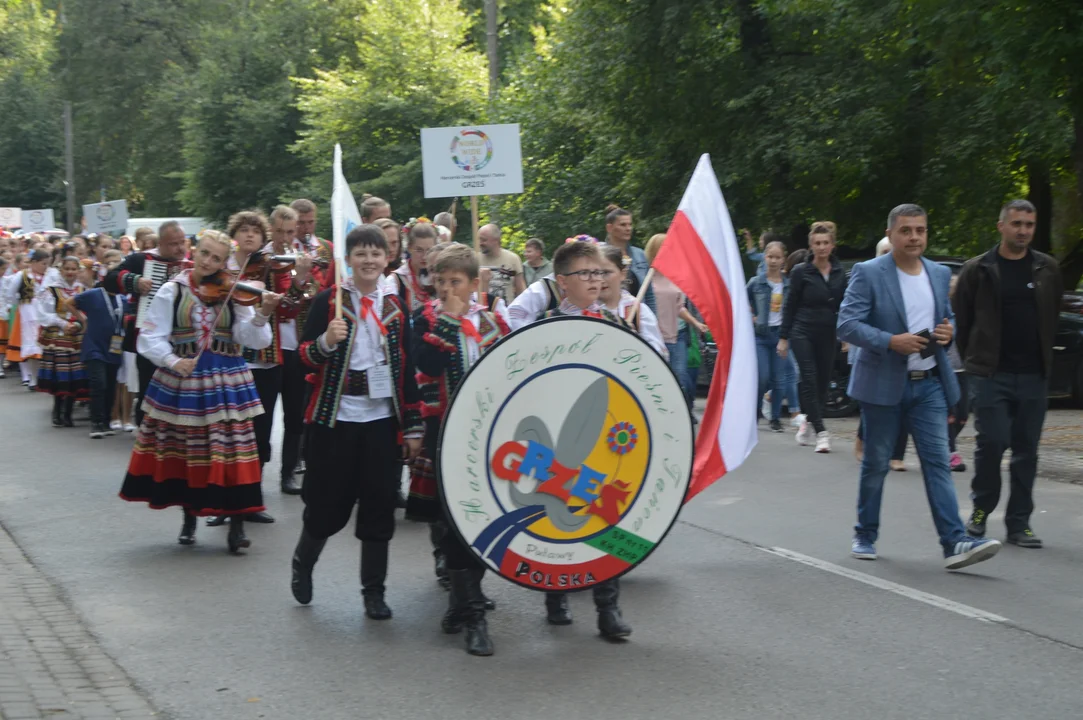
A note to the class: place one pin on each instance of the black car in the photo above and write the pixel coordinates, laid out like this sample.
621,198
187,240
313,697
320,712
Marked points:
1067,380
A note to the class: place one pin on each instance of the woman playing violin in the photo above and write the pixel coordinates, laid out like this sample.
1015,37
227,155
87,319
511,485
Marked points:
196,446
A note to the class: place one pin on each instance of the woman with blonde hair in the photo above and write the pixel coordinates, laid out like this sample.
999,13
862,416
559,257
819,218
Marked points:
196,446
671,308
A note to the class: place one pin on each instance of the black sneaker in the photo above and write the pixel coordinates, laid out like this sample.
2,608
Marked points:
976,525
1025,539
97,431
776,426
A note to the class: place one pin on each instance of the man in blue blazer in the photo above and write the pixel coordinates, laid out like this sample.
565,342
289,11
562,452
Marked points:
896,310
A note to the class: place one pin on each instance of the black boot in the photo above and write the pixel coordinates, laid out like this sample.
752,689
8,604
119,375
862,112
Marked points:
610,623
373,575
477,629
58,404
556,608
440,563
305,556
457,609
236,538
291,449
188,529
69,405
217,520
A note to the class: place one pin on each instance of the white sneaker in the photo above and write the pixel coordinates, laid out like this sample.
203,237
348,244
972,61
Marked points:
115,425
128,427
804,435
823,442
798,420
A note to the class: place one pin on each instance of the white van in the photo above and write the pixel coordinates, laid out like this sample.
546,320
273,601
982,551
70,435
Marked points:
190,225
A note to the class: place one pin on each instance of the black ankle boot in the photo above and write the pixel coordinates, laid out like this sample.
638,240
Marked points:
477,630
373,575
69,405
556,609
457,608
236,538
58,404
188,529
610,623
305,556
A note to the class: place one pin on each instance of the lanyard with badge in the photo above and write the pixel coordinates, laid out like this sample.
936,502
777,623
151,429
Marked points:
116,343
378,376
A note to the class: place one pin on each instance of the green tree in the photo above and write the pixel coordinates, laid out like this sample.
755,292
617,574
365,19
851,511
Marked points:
31,144
412,70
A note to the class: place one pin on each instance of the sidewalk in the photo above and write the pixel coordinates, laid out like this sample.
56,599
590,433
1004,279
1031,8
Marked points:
1060,455
50,666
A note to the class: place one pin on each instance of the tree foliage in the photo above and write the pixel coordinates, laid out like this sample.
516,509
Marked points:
30,108
810,109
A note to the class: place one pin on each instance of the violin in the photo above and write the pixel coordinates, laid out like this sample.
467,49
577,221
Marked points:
215,288
262,263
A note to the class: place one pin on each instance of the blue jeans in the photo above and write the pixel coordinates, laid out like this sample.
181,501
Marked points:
773,371
678,360
789,385
924,412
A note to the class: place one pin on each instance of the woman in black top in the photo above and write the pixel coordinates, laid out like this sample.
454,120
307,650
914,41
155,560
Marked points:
808,325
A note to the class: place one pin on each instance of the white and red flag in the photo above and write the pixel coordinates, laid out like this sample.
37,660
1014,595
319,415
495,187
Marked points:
701,256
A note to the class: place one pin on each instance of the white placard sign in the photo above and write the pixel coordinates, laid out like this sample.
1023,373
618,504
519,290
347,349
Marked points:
106,217
38,220
10,217
471,160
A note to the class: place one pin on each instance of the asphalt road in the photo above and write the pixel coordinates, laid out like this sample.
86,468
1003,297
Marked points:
751,608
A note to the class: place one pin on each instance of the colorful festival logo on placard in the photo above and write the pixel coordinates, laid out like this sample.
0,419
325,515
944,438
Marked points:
105,213
566,454
37,217
471,150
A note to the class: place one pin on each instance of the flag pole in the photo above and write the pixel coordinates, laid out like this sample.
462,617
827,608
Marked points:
474,222
642,294
338,290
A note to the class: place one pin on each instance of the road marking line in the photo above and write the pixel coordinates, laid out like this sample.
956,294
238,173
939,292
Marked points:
906,592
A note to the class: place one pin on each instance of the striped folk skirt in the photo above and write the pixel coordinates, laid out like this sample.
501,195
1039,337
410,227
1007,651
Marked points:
196,447
61,372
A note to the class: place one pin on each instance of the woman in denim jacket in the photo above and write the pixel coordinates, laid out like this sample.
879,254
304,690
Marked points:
766,295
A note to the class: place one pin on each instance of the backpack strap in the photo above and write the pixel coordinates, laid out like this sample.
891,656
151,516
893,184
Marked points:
554,293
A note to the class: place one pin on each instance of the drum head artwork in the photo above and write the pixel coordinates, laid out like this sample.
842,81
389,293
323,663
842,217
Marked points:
566,454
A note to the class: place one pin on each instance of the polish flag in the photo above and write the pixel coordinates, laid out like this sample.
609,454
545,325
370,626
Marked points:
701,256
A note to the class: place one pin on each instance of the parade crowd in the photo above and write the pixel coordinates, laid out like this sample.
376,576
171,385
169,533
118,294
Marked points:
188,343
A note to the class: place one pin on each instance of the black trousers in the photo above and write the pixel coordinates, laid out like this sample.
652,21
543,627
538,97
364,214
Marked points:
1009,411
102,376
268,385
352,463
293,409
145,369
815,353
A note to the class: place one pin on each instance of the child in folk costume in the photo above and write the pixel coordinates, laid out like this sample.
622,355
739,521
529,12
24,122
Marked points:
362,418
62,374
22,290
408,280
451,333
102,349
580,270
196,446
5,267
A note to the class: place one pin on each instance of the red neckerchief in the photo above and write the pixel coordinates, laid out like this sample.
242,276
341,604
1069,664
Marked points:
366,309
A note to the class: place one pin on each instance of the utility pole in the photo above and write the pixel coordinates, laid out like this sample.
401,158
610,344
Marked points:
494,61
69,167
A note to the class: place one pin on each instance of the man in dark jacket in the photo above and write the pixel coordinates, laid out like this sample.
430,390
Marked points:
128,279
1007,303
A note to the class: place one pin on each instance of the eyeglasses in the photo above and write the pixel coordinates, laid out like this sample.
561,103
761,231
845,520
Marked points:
588,275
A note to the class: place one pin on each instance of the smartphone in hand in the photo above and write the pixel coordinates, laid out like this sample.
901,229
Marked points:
931,347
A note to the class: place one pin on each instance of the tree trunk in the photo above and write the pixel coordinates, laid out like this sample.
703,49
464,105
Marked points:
1041,194
494,60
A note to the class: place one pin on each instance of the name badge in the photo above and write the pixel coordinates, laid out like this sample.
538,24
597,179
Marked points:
116,345
379,380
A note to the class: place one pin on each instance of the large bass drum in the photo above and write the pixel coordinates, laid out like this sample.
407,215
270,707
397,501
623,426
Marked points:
566,454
